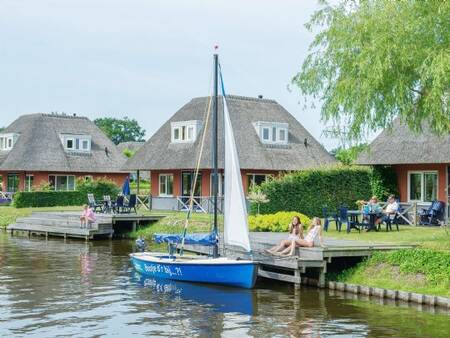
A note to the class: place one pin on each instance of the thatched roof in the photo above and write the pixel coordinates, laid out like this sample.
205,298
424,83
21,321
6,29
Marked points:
400,145
159,153
39,147
133,146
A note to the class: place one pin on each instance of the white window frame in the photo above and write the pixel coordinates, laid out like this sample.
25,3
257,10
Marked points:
67,183
187,131
422,184
221,189
273,130
159,185
28,185
66,140
8,141
251,176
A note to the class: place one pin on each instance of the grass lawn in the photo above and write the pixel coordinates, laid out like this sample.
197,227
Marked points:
426,237
8,214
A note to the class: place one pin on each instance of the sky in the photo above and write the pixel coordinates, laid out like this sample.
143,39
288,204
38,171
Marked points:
146,58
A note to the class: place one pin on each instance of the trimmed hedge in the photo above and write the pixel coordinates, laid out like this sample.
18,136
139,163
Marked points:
48,198
278,222
309,191
99,188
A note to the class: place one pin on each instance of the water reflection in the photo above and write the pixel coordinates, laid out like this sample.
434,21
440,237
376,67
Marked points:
52,288
221,299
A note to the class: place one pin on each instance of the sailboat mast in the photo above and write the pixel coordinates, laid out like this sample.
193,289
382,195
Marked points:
215,148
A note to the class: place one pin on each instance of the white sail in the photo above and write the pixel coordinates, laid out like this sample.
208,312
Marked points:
235,210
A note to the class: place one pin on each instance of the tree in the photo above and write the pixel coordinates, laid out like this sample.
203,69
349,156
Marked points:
372,61
129,153
348,156
121,130
1,129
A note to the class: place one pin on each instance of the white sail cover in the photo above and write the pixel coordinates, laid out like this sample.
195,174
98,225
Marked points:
235,210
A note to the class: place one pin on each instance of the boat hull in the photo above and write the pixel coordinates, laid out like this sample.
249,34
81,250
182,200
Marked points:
219,271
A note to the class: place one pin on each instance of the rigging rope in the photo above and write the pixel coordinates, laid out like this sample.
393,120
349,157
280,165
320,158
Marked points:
197,168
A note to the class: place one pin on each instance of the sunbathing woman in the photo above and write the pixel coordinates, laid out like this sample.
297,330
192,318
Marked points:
295,233
313,238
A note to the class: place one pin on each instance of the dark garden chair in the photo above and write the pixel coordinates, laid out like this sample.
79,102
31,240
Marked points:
119,205
344,219
433,215
131,205
328,218
108,205
392,219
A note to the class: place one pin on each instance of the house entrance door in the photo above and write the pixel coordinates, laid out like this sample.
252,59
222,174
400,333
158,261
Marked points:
12,183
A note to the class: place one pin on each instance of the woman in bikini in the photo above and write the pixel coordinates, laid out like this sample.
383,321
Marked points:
313,238
295,233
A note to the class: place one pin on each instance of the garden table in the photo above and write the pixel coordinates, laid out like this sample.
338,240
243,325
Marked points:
354,214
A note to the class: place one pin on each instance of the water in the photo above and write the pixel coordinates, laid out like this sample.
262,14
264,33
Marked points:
77,289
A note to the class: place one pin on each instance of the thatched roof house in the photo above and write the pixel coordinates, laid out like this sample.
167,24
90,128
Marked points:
421,161
56,148
269,140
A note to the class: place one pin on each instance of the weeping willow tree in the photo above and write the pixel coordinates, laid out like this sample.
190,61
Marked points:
373,61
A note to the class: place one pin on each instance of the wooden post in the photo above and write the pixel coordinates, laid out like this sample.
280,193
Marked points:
297,275
138,180
415,213
134,226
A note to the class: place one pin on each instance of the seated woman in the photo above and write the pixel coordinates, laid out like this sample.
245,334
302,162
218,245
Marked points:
372,207
295,232
87,217
313,238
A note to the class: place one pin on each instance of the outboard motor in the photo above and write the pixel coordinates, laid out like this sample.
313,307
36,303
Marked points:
140,244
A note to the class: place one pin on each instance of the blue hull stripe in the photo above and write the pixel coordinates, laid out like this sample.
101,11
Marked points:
238,275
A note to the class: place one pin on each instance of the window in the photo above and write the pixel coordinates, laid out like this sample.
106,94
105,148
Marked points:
88,178
69,143
12,183
7,141
221,183
282,135
62,183
29,182
272,132
166,185
85,145
78,143
265,133
423,186
185,132
256,179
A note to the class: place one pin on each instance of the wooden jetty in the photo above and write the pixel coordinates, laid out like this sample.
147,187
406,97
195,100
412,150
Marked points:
67,224
313,262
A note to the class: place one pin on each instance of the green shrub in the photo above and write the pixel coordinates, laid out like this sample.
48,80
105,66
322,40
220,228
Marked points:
278,222
98,187
309,191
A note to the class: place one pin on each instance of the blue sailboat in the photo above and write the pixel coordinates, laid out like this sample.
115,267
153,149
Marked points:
213,270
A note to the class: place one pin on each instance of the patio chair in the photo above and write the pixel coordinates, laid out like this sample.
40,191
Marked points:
344,219
433,215
393,219
328,218
131,204
108,205
93,204
119,205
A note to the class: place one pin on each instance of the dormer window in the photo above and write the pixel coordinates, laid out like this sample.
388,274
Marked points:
77,143
185,131
8,140
272,132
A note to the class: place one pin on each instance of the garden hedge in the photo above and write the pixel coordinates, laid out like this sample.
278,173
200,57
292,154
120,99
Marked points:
308,191
99,188
278,222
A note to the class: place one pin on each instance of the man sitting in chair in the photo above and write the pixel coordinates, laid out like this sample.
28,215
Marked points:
391,209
